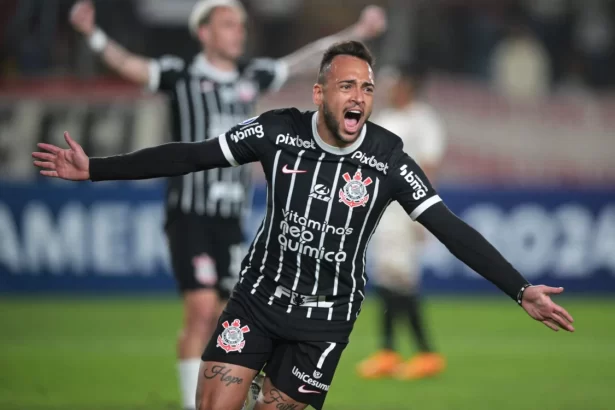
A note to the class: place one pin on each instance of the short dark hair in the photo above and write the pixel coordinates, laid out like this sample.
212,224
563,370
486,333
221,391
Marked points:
344,48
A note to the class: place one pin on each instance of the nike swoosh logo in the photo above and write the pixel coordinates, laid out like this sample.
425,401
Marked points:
285,170
302,389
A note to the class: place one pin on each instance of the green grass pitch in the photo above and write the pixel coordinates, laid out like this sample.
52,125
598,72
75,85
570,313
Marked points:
118,354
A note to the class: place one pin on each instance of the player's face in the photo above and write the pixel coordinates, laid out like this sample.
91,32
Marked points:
346,98
225,33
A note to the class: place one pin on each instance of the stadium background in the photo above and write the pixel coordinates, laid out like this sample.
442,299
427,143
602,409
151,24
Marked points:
88,309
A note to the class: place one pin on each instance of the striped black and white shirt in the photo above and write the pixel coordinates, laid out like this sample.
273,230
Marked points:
206,102
307,259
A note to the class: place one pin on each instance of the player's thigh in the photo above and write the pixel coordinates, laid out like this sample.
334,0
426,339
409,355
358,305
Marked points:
304,370
274,399
237,351
239,339
223,386
191,251
201,308
229,250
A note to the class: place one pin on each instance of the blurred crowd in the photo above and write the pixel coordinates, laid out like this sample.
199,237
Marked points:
543,46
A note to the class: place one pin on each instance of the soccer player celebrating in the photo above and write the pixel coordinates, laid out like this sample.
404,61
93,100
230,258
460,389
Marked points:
209,95
331,174
397,244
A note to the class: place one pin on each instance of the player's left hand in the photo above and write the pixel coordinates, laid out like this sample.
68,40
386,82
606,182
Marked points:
538,304
372,23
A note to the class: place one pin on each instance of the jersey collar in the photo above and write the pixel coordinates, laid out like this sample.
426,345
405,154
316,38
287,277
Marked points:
330,148
202,67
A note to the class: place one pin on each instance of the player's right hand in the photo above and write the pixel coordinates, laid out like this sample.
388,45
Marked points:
82,17
72,164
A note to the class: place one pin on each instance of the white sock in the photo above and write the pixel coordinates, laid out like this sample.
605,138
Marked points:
188,380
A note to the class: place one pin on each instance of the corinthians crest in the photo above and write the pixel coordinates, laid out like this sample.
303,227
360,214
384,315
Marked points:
354,193
231,338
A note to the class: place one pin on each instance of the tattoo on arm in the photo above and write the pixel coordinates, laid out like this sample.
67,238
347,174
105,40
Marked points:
223,373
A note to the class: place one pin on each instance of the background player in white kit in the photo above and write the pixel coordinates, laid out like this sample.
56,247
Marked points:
397,243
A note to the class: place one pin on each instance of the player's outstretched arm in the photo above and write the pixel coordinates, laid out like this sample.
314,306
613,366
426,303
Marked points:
164,160
371,24
130,66
474,250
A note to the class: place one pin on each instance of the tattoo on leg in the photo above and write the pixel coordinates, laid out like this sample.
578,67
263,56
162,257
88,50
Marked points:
287,406
276,397
223,373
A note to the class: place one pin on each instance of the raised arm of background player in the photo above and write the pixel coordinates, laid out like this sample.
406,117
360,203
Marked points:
137,68
409,187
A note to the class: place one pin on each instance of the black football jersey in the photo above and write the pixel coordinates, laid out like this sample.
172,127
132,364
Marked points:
307,259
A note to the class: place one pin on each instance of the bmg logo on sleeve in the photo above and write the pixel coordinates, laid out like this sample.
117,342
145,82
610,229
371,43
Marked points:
418,186
254,129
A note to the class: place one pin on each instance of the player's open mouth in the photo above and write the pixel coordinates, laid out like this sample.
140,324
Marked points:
352,119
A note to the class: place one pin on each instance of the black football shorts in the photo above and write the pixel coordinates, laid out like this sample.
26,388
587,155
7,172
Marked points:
206,253
303,370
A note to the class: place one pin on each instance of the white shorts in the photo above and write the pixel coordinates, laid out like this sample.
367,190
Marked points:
395,250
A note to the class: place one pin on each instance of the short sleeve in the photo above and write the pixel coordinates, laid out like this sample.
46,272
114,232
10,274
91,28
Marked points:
248,141
270,74
410,187
164,73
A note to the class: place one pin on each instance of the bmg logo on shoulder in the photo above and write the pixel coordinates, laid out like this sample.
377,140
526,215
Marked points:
294,141
420,189
371,162
255,129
